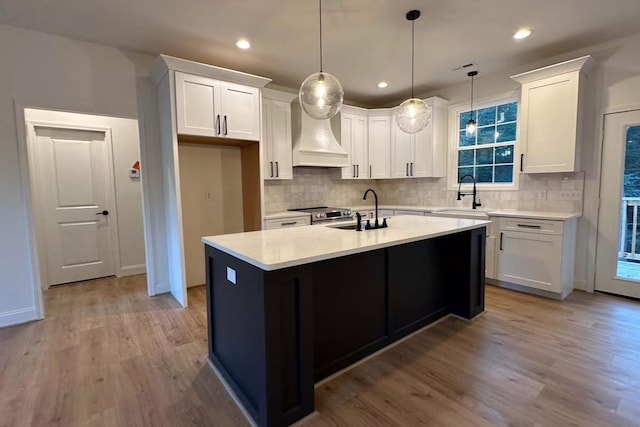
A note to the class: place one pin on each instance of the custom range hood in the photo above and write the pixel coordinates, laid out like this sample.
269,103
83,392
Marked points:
314,143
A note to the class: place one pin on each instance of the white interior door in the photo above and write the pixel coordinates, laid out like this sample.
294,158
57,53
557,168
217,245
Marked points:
74,203
618,250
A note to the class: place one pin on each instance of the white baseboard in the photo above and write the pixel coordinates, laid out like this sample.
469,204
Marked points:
132,270
15,317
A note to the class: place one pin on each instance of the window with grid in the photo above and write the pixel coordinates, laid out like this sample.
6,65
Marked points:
489,153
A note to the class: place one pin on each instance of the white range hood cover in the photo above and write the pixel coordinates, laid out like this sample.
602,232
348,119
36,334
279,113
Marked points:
314,143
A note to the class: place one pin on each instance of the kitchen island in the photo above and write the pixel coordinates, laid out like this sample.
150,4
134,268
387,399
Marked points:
289,307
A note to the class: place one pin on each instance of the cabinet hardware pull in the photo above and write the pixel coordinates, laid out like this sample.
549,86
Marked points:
288,223
271,169
353,174
411,168
225,124
218,124
357,171
105,213
277,171
370,173
501,234
407,169
529,226
521,162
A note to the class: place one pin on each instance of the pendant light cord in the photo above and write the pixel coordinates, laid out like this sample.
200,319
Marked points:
413,36
472,76
320,8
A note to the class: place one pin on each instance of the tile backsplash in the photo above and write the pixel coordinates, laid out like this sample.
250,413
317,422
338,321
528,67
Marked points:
558,192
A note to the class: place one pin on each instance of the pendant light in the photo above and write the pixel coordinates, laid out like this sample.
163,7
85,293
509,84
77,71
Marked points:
321,94
413,115
471,124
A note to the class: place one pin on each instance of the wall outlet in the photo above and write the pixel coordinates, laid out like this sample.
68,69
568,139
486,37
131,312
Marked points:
207,195
572,195
541,195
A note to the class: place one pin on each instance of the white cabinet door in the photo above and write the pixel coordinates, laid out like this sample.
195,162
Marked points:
490,258
359,143
298,221
354,141
197,105
530,259
240,115
379,146
402,146
423,152
281,140
549,120
267,139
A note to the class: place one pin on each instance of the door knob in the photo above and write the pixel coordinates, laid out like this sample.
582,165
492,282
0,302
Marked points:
105,213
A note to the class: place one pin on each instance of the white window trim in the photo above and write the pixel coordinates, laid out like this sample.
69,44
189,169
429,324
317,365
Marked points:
453,132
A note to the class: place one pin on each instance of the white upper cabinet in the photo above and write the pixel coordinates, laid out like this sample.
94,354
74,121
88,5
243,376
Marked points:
209,107
551,116
354,140
276,132
379,132
422,154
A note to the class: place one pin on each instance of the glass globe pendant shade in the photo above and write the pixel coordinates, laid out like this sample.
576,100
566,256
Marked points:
321,96
471,127
413,115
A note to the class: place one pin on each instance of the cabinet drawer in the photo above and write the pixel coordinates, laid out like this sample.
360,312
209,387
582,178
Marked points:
540,226
287,222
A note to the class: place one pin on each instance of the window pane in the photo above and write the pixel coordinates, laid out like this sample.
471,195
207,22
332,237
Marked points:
506,133
464,171
465,157
466,140
487,116
487,135
464,118
484,174
504,154
508,112
484,156
504,173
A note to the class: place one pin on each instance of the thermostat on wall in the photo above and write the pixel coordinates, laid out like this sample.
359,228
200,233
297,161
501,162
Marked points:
134,173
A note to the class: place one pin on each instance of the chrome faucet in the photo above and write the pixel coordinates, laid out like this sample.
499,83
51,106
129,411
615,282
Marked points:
475,203
376,224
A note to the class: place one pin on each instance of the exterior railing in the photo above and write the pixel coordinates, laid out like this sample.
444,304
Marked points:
629,238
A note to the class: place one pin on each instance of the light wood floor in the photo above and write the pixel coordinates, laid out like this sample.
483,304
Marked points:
109,355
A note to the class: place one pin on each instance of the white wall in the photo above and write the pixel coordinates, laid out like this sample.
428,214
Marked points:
41,70
215,170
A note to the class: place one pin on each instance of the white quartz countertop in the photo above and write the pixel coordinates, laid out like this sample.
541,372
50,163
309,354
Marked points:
287,247
286,214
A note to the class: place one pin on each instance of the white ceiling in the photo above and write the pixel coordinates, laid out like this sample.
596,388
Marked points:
365,41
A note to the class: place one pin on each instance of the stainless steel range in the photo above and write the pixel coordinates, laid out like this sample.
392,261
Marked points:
322,214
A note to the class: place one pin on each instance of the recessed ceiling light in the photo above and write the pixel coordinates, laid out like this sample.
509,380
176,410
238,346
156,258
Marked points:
382,85
522,33
243,44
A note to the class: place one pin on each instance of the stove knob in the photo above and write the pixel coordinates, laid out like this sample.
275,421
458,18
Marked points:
318,215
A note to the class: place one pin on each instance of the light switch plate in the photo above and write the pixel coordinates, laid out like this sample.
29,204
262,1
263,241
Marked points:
231,275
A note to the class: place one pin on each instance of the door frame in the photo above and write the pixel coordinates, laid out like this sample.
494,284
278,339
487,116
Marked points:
592,244
25,130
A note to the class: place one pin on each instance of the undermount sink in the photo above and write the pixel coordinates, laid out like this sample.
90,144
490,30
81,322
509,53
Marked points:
344,227
461,213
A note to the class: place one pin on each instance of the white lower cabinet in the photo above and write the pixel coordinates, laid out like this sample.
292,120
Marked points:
538,255
287,222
